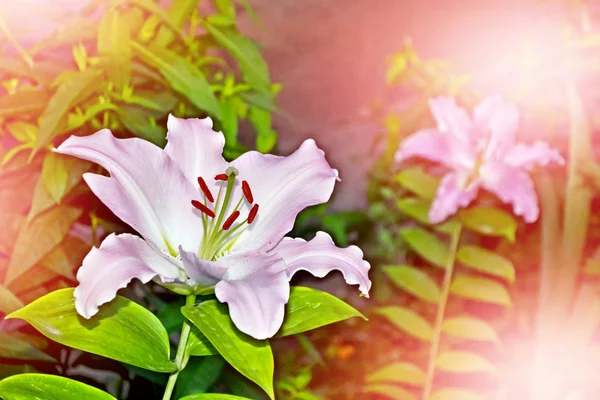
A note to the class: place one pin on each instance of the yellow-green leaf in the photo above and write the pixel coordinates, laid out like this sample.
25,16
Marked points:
416,208
413,281
408,321
401,372
481,289
470,328
456,394
463,362
490,221
418,181
486,261
426,245
114,47
390,391
61,173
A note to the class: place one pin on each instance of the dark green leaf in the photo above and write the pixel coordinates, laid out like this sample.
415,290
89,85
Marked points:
415,282
251,357
114,47
463,362
481,289
418,181
122,330
408,321
310,308
489,221
401,372
426,245
389,391
486,261
13,347
170,316
199,375
48,387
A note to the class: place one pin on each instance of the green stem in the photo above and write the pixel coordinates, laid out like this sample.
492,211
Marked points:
180,358
437,332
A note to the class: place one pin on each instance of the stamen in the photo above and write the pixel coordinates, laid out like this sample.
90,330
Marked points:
203,208
252,214
247,192
205,189
229,221
221,177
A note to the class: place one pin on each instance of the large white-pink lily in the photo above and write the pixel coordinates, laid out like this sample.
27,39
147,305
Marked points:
208,223
479,152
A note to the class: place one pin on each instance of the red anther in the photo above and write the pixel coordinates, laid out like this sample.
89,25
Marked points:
205,189
203,208
247,192
229,221
221,177
252,214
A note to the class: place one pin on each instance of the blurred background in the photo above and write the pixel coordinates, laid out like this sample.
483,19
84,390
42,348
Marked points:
523,307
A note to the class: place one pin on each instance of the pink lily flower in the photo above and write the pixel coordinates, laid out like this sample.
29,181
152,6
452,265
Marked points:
206,223
479,152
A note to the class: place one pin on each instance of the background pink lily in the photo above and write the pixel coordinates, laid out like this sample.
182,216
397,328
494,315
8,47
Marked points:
205,222
479,152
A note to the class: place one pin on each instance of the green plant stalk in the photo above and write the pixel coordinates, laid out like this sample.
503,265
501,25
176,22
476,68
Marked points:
180,357
437,332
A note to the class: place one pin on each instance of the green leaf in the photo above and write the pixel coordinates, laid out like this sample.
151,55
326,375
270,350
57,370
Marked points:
389,391
426,245
8,301
470,328
138,122
171,317
48,387
183,77
75,88
213,396
122,330
114,47
266,137
416,208
61,173
418,181
39,237
456,394
490,221
413,281
199,345
264,100
309,308
252,358
481,289
24,132
401,372
463,362
199,375
15,348
30,103
229,121
408,321
486,261
253,66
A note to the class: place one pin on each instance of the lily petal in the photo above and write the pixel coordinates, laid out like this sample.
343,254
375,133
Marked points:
527,156
427,143
451,195
282,187
500,119
454,122
256,288
146,189
512,185
196,147
202,272
320,256
111,267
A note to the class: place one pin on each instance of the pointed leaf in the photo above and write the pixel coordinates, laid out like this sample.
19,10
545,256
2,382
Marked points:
198,375
486,261
310,308
413,281
8,301
456,394
418,181
75,88
470,328
114,47
401,373
15,348
416,208
251,357
389,391
408,321
489,221
61,173
199,345
426,245
463,362
48,387
140,124
122,330
481,289
39,237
